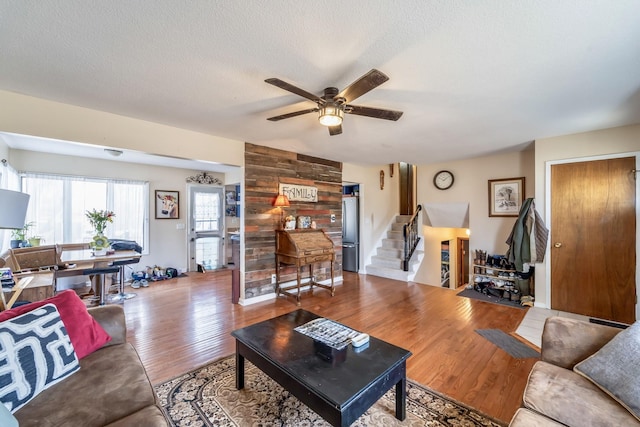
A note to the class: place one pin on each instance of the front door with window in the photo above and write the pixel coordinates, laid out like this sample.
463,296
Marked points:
206,229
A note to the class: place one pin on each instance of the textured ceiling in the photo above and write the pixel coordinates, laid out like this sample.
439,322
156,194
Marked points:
472,77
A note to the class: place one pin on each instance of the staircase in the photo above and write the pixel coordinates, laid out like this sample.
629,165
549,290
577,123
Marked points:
388,259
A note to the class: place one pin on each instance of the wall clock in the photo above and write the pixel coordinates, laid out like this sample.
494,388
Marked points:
443,180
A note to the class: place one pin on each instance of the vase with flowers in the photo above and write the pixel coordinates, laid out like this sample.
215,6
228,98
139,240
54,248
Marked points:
99,219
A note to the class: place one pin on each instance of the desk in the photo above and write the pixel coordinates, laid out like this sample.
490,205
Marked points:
299,248
86,256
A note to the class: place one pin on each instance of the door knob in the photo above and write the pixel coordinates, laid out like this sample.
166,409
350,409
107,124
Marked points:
557,244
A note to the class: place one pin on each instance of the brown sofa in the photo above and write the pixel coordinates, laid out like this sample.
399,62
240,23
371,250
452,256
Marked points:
110,389
555,395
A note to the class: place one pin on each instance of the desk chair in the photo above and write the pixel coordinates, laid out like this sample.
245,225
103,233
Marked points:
121,296
100,274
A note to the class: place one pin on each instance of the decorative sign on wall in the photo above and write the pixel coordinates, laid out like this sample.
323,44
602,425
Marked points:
203,178
300,193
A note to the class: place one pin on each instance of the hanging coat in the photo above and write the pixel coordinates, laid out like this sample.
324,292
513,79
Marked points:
528,239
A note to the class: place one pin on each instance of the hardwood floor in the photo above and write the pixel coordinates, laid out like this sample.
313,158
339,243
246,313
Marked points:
180,324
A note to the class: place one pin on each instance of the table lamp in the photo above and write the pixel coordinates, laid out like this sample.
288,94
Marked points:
281,201
13,209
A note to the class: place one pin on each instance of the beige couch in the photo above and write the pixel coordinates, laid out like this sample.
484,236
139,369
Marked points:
555,395
110,389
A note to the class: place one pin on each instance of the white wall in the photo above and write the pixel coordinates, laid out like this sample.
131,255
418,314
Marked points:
167,244
470,186
624,139
34,116
27,115
378,208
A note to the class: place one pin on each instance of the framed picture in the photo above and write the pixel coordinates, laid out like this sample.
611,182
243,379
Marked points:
167,204
304,222
506,196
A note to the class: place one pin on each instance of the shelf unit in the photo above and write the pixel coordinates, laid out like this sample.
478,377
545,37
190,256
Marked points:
445,279
481,270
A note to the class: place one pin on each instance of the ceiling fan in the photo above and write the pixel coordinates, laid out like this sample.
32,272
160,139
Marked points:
333,104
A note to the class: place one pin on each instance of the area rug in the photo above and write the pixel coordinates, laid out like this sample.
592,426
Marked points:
508,343
473,294
208,397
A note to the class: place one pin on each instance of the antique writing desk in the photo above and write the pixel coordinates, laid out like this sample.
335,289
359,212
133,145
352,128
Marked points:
302,247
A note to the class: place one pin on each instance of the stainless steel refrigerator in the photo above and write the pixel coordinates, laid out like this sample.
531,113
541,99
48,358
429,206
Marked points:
350,234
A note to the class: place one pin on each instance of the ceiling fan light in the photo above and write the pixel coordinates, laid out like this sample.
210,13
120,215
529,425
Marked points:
331,115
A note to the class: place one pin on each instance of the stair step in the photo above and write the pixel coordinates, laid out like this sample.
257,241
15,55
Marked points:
389,273
392,243
389,252
396,235
380,261
398,226
403,218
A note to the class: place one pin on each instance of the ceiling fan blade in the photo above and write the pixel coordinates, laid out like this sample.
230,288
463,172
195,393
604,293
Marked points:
364,84
294,114
335,130
293,89
376,113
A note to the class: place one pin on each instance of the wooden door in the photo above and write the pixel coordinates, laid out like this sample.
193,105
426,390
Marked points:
593,239
407,188
463,262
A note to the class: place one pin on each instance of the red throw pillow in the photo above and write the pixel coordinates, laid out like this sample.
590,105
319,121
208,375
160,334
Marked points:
85,332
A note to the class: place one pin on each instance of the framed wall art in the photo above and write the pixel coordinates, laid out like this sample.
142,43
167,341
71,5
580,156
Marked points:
506,196
167,204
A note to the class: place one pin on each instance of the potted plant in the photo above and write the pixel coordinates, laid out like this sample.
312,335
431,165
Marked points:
99,219
19,236
35,240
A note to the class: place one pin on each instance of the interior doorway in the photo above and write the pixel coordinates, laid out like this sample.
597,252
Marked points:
351,227
206,228
408,197
463,261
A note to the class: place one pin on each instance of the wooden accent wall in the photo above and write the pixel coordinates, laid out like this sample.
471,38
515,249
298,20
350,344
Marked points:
265,168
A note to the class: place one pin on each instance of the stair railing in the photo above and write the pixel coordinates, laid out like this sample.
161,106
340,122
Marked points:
411,238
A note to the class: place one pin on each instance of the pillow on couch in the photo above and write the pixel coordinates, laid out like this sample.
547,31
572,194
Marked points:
35,353
615,368
85,332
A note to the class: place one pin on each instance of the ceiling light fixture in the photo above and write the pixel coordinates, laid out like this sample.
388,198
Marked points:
331,114
114,153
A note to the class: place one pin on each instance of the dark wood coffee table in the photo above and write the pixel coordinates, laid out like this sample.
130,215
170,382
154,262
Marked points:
338,385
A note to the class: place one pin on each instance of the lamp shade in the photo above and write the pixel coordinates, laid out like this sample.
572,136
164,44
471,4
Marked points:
281,201
13,209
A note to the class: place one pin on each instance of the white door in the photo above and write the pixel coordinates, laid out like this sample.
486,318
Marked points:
206,228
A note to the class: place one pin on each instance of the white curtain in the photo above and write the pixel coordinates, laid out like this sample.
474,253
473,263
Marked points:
59,204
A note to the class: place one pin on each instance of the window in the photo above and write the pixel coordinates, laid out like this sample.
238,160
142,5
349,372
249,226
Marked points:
58,205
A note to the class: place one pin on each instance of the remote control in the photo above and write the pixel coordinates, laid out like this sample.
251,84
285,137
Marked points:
359,340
